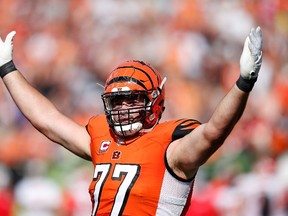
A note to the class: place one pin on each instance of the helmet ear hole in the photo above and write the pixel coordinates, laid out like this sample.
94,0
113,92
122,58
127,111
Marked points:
156,110
162,108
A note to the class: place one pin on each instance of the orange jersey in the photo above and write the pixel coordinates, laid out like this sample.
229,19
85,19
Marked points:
133,178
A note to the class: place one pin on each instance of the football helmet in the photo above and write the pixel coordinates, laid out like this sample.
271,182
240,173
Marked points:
133,98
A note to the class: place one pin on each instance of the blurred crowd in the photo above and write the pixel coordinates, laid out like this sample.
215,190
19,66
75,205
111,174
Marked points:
67,48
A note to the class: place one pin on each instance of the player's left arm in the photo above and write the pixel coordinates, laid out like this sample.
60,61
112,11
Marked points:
187,154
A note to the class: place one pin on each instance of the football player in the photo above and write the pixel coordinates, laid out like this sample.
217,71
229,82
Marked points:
141,166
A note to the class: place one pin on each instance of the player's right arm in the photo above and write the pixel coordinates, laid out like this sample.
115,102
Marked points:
42,114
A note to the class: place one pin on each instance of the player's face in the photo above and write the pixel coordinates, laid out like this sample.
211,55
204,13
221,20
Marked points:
126,108
127,101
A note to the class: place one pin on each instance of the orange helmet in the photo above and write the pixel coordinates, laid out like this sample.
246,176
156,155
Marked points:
140,86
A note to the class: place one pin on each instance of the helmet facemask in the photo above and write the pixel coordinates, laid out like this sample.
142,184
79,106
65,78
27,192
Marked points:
126,111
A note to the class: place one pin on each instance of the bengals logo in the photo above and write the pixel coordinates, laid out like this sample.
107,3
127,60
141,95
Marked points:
104,146
116,155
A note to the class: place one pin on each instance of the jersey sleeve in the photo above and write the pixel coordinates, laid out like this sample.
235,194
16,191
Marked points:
184,127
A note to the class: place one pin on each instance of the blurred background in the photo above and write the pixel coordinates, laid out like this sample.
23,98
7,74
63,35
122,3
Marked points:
64,48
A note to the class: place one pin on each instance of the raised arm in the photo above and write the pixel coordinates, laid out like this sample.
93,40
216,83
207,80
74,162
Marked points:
187,154
42,114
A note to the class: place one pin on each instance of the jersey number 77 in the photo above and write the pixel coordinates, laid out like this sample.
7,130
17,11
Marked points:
101,173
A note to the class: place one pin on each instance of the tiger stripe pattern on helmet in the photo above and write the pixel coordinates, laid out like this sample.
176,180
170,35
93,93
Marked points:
130,78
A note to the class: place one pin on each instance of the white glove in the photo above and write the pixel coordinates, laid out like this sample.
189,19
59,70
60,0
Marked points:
6,48
251,58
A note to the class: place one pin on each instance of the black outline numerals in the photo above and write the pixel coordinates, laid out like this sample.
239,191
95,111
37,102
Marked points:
127,173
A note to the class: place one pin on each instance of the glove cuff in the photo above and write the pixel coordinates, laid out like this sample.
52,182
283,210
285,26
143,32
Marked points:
245,84
7,68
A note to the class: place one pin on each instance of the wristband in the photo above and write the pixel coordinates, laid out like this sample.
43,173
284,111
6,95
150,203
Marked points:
245,84
7,68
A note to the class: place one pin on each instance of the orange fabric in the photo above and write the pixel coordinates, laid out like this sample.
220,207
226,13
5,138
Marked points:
143,156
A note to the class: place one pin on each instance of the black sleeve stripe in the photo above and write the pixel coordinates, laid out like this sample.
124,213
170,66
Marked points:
184,128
